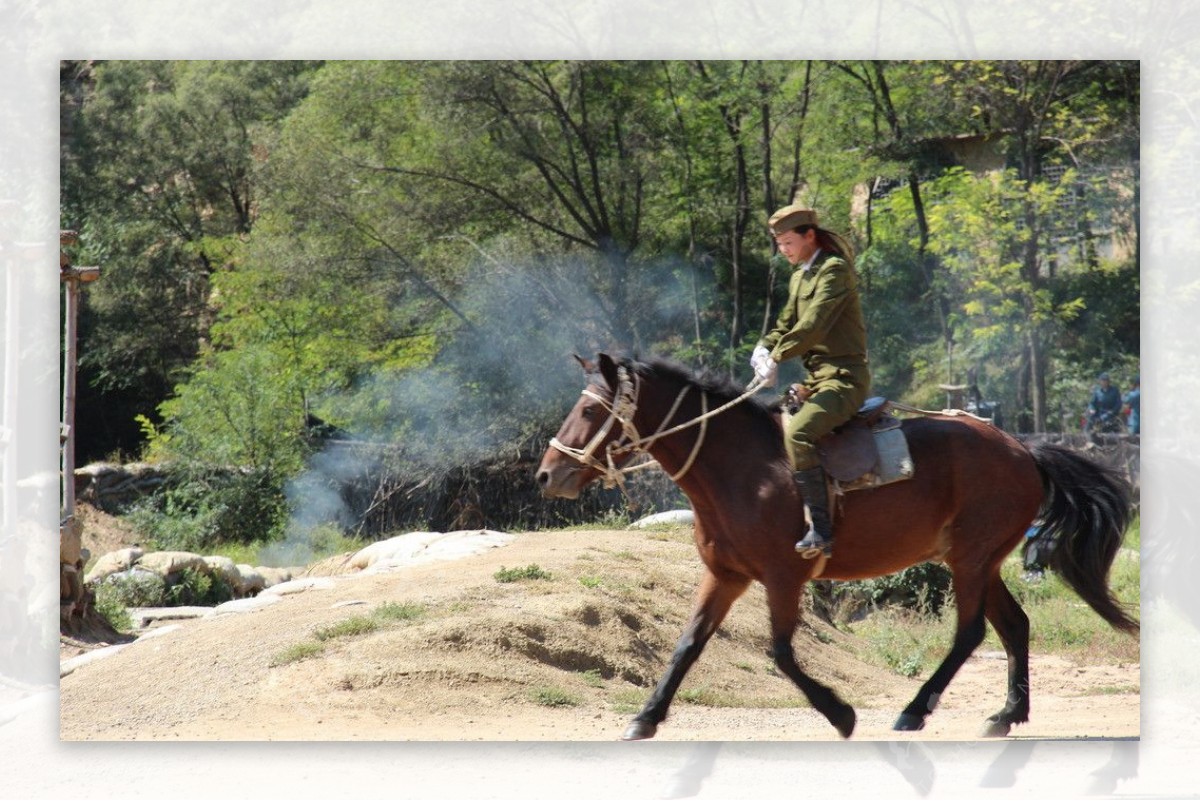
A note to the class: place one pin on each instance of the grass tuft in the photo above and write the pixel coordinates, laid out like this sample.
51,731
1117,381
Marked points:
553,697
296,653
706,696
350,627
506,575
389,612
592,678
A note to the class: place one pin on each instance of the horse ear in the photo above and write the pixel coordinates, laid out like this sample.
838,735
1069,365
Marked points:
587,366
608,369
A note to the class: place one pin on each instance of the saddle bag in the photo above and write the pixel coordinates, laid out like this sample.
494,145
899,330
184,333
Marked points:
869,450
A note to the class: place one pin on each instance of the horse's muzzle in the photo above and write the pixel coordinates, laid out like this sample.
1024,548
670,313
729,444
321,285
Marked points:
558,482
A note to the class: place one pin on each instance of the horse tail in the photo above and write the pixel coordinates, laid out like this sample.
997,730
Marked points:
1085,512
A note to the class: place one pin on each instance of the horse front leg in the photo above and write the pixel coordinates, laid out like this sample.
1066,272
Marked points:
713,599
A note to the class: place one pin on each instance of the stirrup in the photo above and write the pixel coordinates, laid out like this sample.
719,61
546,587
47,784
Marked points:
811,546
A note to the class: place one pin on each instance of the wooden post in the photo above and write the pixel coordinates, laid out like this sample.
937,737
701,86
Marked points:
72,277
70,321
70,532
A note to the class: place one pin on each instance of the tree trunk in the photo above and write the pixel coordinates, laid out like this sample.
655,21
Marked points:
1037,378
883,102
1022,418
618,271
738,233
770,202
925,259
1037,361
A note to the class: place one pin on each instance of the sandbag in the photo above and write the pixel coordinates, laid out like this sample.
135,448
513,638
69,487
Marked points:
224,568
252,581
273,575
166,563
113,562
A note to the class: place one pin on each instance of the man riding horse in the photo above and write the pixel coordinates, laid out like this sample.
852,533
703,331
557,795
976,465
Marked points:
822,323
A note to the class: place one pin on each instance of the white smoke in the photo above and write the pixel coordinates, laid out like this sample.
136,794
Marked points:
488,391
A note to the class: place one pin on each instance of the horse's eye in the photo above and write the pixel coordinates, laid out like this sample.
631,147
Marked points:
588,412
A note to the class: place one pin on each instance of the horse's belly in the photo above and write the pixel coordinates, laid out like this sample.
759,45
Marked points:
882,532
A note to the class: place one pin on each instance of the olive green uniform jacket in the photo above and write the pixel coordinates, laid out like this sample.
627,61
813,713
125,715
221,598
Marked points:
822,322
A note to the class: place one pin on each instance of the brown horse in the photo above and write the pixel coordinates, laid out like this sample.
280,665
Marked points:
974,493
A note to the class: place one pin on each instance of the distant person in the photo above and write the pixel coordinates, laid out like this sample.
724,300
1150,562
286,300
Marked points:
1104,408
1035,556
1133,399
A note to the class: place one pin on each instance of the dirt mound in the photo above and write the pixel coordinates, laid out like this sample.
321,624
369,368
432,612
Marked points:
102,532
568,652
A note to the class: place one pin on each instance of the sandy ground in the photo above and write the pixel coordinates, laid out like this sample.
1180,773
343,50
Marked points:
570,657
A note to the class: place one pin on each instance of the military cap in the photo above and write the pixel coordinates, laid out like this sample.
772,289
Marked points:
790,217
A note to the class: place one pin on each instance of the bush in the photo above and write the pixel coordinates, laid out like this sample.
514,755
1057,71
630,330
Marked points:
198,508
922,588
131,588
138,588
109,606
191,587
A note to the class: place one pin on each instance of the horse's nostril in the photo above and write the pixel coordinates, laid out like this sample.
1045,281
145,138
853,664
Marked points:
543,477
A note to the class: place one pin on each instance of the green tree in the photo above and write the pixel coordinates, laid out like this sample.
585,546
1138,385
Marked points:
160,179
571,151
1048,113
980,236
409,251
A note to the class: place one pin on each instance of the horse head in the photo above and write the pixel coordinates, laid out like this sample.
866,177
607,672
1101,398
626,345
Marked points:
588,445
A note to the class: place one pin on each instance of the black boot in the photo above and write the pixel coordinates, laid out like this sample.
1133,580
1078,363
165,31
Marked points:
819,538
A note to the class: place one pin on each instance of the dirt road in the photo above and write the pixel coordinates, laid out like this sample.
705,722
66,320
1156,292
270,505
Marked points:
566,657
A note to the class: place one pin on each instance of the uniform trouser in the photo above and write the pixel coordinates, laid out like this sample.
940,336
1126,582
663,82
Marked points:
837,394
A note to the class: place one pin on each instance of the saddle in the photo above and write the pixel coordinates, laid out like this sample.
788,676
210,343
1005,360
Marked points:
868,450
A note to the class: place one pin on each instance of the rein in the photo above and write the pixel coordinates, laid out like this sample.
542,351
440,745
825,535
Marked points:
622,410
903,407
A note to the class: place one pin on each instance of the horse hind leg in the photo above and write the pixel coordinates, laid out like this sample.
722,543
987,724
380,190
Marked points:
966,639
1012,625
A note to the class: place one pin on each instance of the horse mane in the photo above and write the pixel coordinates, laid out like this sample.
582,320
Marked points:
718,386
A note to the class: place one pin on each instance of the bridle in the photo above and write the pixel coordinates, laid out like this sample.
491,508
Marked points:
621,410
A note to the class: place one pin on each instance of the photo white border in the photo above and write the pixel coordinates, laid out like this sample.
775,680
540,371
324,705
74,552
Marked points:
35,36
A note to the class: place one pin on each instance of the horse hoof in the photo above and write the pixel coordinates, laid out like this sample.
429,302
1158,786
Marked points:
845,722
640,730
996,728
907,722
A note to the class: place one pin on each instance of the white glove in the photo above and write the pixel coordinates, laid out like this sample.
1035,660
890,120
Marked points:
768,371
760,355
